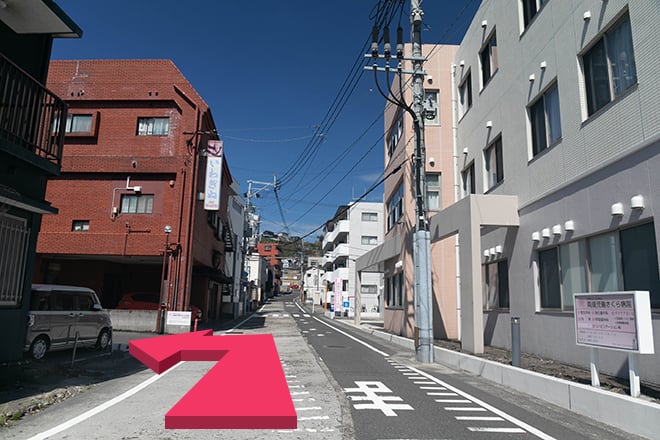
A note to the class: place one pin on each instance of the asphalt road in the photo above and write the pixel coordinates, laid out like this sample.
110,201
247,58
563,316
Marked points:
394,397
344,383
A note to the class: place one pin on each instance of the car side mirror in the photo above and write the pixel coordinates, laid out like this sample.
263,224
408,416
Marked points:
97,307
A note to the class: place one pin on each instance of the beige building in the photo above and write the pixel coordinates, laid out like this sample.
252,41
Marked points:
394,258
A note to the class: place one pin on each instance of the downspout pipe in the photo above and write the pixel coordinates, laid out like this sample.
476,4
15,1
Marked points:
457,193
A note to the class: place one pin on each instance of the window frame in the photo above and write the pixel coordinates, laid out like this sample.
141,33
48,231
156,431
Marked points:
369,217
502,290
148,207
150,121
586,261
433,189
542,103
593,103
468,172
371,240
527,15
395,206
494,147
465,86
487,53
395,133
79,225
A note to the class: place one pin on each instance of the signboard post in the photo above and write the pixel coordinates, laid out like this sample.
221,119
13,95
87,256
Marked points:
615,321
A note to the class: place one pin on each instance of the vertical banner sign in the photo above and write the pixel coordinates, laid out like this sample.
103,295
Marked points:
213,176
338,293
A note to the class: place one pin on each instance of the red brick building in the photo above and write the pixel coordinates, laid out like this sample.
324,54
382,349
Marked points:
271,253
134,162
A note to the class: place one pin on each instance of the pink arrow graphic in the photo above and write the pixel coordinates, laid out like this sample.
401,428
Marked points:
246,389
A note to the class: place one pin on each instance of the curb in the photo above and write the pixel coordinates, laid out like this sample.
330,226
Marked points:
632,415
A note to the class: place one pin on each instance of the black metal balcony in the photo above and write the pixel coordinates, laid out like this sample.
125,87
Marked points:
32,118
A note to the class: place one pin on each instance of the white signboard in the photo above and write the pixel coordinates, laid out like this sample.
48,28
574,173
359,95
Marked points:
178,318
614,320
213,176
339,283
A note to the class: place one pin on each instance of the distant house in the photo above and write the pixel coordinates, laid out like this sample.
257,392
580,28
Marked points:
132,189
32,121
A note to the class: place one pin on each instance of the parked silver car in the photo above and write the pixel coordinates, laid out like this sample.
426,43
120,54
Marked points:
60,315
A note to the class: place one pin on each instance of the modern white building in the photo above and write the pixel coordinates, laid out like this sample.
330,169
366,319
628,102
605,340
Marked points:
355,229
557,137
313,279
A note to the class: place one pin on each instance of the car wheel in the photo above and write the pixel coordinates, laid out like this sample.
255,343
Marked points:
39,347
103,341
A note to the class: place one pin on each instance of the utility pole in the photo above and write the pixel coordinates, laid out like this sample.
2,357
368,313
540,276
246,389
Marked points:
423,295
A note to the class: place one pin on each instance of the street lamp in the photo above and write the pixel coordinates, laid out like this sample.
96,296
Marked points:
163,290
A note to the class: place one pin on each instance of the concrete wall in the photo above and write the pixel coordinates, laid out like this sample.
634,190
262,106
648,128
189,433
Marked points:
134,320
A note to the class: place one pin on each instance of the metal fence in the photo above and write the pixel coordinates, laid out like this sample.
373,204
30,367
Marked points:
14,241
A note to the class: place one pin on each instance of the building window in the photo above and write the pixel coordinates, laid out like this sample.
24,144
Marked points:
137,203
394,290
465,94
368,289
369,216
78,124
609,66
369,240
396,131
80,225
549,279
433,191
496,285
488,58
14,242
467,176
153,126
494,164
545,121
431,108
623,260
530,8
639,261
395,207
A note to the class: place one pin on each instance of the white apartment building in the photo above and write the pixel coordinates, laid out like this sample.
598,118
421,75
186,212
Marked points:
355,229
557,136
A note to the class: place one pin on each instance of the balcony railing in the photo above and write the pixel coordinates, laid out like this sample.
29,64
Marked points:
31,116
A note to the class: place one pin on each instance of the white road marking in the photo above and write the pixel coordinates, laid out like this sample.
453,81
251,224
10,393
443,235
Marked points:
305,315
432,388
299,393
102,407
423,382
507,430
309,408
482,418
452,400
347,335
371,390
441,394
314,418
465,408
532,430
295,315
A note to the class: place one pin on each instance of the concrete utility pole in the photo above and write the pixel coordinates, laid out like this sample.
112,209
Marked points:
422,244
423,295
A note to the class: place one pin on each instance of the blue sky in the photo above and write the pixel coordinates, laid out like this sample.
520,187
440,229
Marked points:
276,76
